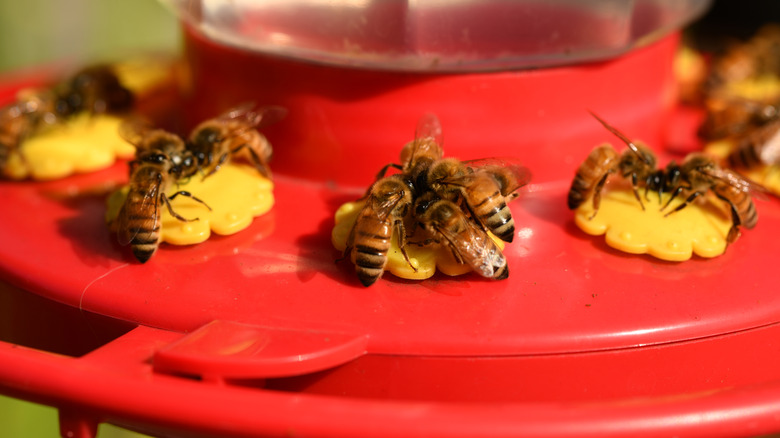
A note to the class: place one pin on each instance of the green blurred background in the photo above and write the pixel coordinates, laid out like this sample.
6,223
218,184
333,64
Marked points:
36,32
39,31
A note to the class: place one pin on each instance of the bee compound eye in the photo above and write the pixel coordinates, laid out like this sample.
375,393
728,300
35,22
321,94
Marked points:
63,107
421,208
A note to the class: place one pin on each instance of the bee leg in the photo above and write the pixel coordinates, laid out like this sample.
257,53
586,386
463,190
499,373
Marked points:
422,242
676,192
690,199
456,254
597,195
259,163
217,166
401,232
347,251
736,222
168,200
383,170
636,193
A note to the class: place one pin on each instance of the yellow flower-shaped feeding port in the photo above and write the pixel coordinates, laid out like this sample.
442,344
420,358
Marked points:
426,259
83,144
700,228
236,194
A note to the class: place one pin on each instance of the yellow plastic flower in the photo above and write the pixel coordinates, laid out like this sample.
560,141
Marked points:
84,144
236,194
699,228
426,259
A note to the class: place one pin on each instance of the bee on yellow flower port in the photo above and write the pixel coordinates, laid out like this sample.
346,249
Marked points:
668,232
382,217
698,174
388,204
233,135
161,160
92,90
19,120
446,206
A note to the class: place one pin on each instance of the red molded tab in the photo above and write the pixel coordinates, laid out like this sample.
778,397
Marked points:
232,350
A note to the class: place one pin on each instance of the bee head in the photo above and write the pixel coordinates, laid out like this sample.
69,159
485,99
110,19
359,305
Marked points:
67,104
154,157
641,161
697,163
203,142
185,164
423,203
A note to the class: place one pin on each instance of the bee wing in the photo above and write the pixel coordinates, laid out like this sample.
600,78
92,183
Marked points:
374,208
135,130
738,181
383,208
255,118
237,112
509,170
475,248
428,127
126,229
427,136
270,115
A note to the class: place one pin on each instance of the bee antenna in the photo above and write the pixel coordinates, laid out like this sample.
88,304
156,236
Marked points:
623,137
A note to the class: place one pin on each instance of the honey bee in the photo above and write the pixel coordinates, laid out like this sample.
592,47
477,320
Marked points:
699,174
389,202
637,163
234,134
761,147
448,224
161,160
387,205
485,186
19,120
735,116
756,57
95,89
